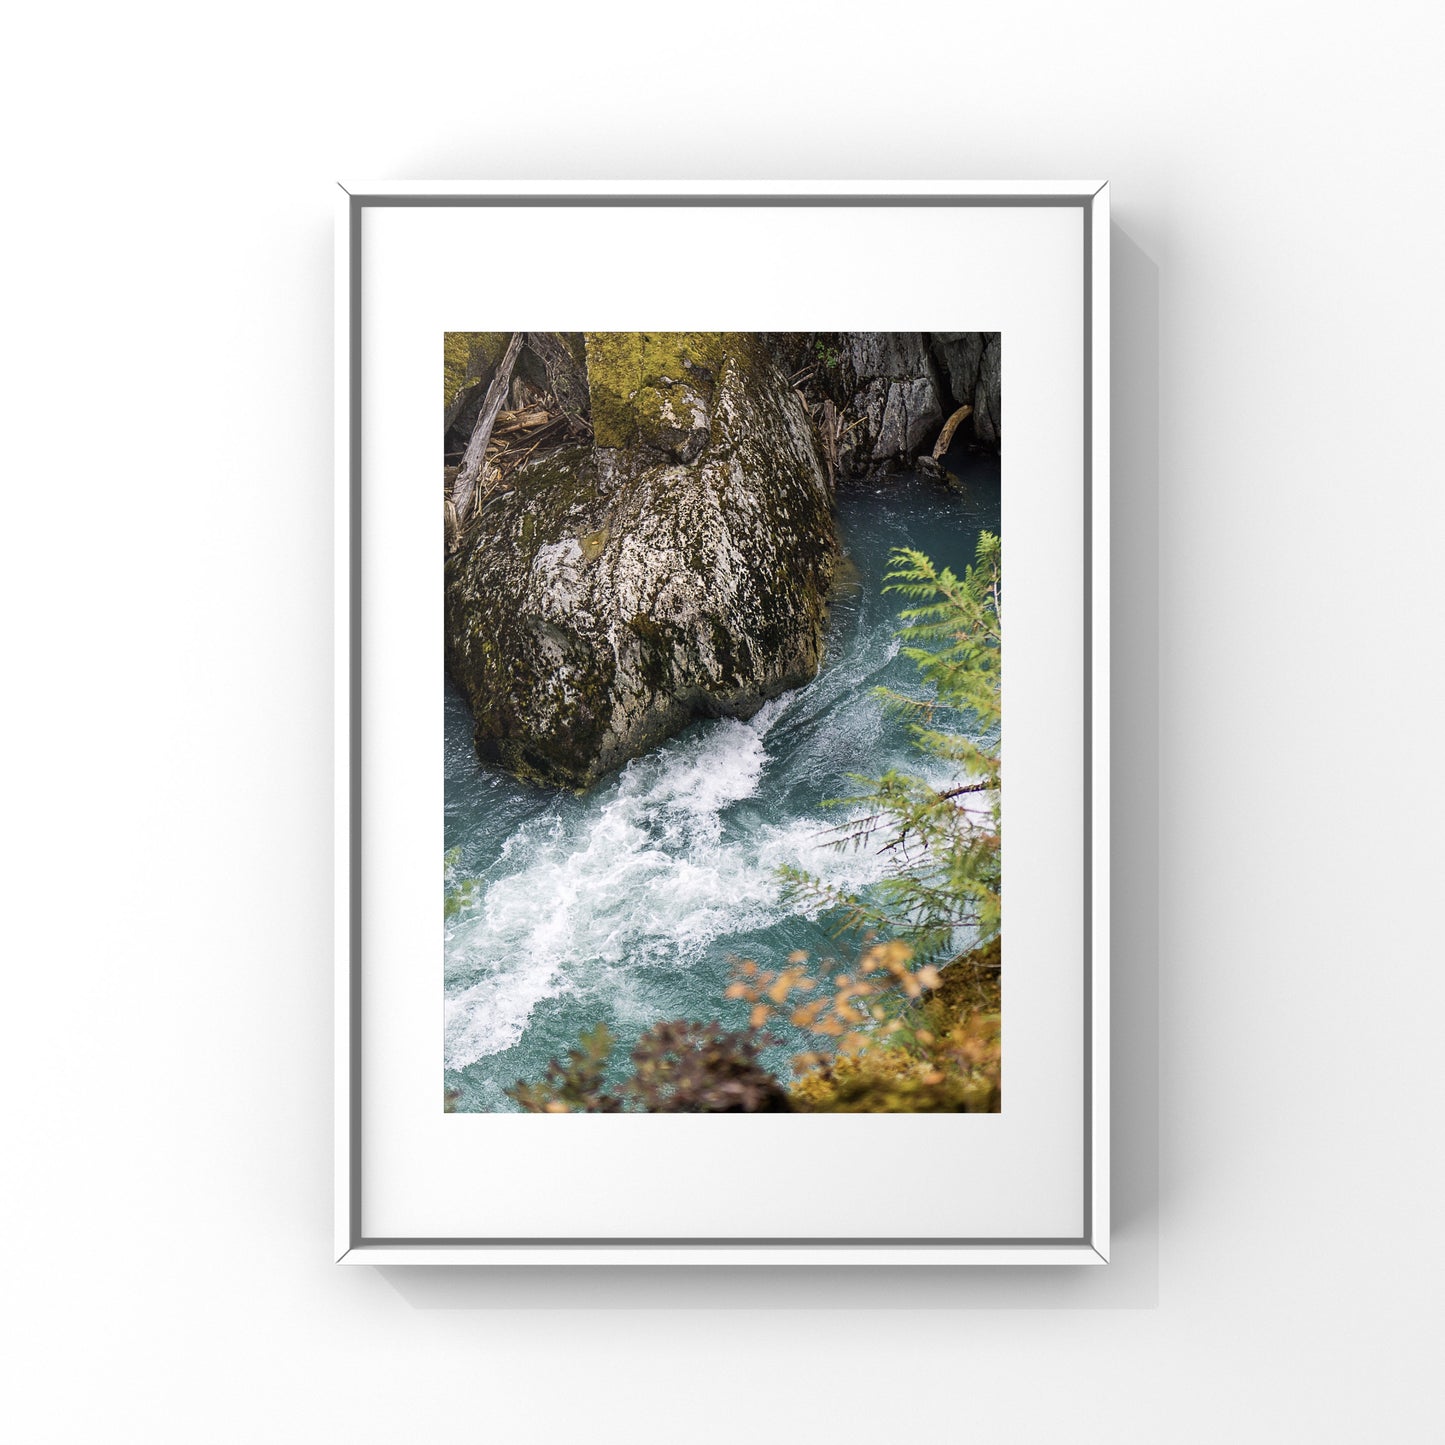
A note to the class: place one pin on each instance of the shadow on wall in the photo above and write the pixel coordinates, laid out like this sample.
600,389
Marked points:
1131,1281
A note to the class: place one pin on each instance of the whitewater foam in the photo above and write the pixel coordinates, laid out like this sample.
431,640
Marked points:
651,873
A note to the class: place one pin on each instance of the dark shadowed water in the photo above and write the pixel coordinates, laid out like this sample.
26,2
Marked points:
626,905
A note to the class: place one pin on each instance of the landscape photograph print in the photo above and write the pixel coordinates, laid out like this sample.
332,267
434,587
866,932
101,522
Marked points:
723,722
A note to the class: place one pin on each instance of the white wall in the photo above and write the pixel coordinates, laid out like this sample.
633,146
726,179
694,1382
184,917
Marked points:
166,595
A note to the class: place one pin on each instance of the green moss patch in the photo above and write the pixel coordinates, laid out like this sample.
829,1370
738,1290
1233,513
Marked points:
469,357
620,364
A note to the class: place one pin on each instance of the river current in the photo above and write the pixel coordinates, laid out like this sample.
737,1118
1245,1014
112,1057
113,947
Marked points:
626,905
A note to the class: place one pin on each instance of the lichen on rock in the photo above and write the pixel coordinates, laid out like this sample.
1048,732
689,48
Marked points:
678,567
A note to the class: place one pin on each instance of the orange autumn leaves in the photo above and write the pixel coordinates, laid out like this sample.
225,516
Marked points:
890,1039
850,1009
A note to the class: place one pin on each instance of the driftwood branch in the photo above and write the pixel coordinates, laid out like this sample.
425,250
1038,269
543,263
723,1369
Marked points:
465,486
945,437
528,418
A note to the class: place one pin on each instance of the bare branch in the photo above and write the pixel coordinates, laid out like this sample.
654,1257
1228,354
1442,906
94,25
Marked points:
465,485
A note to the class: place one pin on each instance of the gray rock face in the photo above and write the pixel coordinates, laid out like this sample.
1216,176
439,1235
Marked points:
911,417
617,592
896,394
972,360
892,391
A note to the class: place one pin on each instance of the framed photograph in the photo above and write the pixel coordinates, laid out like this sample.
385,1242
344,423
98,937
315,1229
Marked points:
674,662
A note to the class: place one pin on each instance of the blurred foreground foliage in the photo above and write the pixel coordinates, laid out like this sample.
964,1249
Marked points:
889,1037
458,893
938,1053
677,1067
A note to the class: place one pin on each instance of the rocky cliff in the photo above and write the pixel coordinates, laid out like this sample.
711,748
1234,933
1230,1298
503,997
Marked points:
971,361
879,399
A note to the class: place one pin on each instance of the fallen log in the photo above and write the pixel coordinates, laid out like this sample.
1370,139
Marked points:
465,485
945,437
509,421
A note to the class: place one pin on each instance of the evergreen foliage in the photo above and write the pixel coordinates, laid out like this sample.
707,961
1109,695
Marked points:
942,848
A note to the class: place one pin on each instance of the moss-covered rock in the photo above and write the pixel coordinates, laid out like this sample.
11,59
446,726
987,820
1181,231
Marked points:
678,568
631,376
469,358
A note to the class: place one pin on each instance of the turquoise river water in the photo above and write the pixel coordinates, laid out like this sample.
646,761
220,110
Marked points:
627,904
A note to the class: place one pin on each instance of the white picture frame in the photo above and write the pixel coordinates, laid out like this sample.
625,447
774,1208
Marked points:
1081,210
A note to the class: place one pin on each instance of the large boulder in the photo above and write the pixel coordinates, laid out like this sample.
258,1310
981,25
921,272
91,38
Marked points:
678,567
